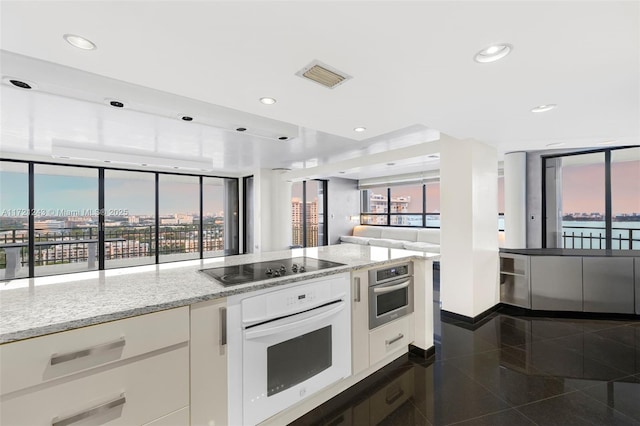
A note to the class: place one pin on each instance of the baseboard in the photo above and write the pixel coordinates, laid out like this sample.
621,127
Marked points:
469,320
516,310
422,353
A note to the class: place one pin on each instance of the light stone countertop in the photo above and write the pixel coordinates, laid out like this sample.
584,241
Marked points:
33,307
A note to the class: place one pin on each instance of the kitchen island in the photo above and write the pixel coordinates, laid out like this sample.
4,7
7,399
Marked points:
148,345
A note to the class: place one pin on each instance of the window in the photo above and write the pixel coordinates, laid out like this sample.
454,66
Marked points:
625,198
592,200
14,220
220,216
308,213
432,208
374,206
94,218
129,219
66,219
407,205
179,207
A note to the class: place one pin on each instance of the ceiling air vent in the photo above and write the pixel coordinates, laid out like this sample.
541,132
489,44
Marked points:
323,74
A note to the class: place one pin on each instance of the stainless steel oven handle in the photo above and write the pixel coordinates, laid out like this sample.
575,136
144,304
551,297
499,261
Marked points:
291,323
381,290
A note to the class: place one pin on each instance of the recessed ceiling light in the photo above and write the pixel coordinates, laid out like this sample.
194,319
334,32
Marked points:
268,101
433,156
359,129
114,103
186,118
342,173
107,161
553,144
544,108
606,143
283,138
281,169
79,42
241,129
21,83
391,164
144,164
493,53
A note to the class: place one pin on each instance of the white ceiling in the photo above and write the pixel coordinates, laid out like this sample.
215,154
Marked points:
411,64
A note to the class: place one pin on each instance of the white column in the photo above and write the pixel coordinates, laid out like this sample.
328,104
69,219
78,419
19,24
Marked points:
272,203
515,199
468,226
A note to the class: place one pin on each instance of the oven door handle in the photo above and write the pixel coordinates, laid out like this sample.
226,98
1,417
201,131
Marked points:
381,290
291,323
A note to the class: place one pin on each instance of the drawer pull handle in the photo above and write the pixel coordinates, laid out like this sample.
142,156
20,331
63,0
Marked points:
102,408
223,326
393,398
356,283
57,359
395,339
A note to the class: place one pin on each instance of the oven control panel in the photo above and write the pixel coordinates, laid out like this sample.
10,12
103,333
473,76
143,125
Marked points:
390,273
301,298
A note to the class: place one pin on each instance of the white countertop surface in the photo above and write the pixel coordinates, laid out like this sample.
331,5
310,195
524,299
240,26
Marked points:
38,306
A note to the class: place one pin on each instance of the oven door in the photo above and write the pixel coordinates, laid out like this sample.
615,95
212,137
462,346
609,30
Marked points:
389,301
290,358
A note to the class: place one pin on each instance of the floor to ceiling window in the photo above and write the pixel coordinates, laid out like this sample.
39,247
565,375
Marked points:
130,218
66,219
58,218
592,200
308,213
14,220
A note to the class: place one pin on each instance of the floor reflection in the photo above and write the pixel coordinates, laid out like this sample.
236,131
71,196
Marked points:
508,370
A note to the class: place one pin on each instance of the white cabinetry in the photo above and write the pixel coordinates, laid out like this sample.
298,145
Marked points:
131,371
209,363
360,320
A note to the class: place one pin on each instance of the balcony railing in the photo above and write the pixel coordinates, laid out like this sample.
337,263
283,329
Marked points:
75,245
589,237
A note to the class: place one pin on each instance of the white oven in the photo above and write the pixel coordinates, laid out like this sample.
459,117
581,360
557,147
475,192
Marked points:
294,342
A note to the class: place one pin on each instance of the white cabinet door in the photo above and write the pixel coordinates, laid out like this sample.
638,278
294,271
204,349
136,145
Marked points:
209,363
360,320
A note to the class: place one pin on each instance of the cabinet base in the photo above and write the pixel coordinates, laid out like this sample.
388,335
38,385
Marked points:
422,353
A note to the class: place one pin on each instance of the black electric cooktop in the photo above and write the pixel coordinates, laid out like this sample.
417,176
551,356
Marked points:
250,272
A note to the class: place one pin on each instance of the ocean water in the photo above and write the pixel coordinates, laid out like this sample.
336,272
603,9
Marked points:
581,230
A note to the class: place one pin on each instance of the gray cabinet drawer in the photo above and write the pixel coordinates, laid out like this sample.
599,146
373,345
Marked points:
608,284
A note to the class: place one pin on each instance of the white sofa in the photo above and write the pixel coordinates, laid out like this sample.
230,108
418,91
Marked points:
419,239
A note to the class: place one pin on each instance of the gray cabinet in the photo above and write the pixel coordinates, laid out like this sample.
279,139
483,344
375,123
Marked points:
608,284
556,283
514,280
637,268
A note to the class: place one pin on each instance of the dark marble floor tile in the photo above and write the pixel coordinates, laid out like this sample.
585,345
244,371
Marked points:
589,325
550,329
457,341
628,335
549,357
505,331
573,409
504,418
451,395
506,373
622,395
602,350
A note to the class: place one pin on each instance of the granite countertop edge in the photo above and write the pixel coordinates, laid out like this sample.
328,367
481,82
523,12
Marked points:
571,252
29,332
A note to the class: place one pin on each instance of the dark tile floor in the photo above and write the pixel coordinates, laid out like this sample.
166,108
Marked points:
509,370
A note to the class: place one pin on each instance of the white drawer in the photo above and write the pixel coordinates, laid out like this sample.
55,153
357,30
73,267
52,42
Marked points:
151,387
33,361
177,418
390,339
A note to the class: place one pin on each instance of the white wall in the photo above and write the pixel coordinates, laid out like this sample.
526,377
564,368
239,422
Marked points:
343,202
469,241
515,199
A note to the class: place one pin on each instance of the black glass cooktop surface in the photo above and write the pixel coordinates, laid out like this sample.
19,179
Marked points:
250,272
